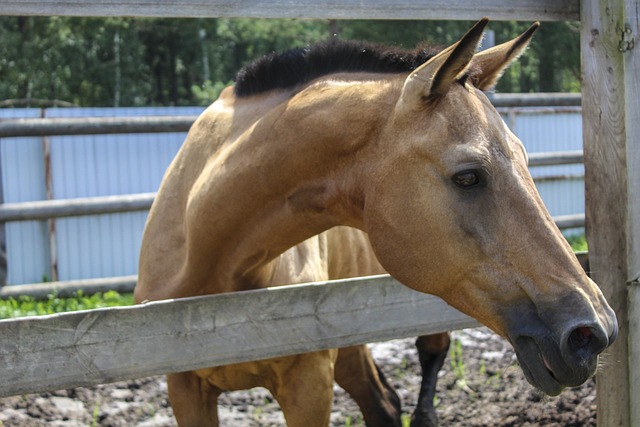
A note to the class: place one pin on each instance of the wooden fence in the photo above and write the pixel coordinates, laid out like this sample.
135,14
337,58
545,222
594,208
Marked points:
611,131
101,346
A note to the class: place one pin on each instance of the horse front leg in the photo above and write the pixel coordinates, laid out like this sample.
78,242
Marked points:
193,400
432,350
303,387
357,373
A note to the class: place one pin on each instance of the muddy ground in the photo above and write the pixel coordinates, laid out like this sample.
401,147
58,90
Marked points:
480,385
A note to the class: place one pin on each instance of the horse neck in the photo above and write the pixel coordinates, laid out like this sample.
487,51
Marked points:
293,173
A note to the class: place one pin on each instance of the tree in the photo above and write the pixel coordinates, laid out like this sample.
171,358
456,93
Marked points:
125,61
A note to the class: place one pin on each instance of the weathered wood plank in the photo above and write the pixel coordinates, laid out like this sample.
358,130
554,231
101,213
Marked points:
611,104
630,43
634,351
106,345
549,10
630,47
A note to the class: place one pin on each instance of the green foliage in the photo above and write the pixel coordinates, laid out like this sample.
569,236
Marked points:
28,306
457,365
208,92
130,62
578,243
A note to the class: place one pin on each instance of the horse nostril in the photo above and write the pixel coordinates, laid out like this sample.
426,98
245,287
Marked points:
587,342
580,338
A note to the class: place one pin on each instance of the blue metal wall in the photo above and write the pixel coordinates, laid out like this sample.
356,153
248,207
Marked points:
102,165
547,130
83,166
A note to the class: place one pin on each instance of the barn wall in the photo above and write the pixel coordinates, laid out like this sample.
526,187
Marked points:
83,166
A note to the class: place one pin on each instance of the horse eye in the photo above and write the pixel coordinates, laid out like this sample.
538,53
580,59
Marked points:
467,179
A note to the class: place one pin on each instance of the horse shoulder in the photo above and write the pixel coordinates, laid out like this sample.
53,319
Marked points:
163,248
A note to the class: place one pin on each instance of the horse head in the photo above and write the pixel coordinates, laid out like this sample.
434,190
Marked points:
451,209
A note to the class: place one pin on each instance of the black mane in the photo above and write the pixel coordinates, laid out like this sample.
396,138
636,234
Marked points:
301,65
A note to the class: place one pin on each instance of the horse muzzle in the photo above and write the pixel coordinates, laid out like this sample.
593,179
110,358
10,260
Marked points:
555,354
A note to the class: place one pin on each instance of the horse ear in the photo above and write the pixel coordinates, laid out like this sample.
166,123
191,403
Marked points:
433,78
492,62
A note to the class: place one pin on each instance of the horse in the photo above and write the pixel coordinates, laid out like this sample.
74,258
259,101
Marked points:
347,158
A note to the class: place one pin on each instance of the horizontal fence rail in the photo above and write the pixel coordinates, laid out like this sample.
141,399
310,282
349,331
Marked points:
549,10
125,284
514,100
106,345
61,208
157,124
556,158
94,125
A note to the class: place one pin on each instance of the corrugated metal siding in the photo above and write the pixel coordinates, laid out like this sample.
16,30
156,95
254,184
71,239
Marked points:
541,131
102,165
27,243
88,166
564,197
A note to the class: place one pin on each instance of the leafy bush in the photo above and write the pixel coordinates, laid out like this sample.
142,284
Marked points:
28,306
578,243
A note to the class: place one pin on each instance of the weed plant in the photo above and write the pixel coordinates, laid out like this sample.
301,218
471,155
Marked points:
28,306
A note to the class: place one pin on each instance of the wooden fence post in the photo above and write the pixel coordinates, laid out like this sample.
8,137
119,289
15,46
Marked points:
611,129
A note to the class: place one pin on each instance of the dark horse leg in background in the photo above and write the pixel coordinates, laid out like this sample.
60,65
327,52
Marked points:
432,350
359,376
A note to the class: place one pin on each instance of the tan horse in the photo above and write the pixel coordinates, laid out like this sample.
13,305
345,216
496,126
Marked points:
418,159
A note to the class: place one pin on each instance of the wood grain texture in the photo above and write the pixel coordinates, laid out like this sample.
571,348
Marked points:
610,106
527,10
634,353
106,345
630,47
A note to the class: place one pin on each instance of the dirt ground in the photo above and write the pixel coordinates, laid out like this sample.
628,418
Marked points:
480,385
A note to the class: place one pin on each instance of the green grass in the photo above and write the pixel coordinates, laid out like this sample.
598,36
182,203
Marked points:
456,360
27,306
